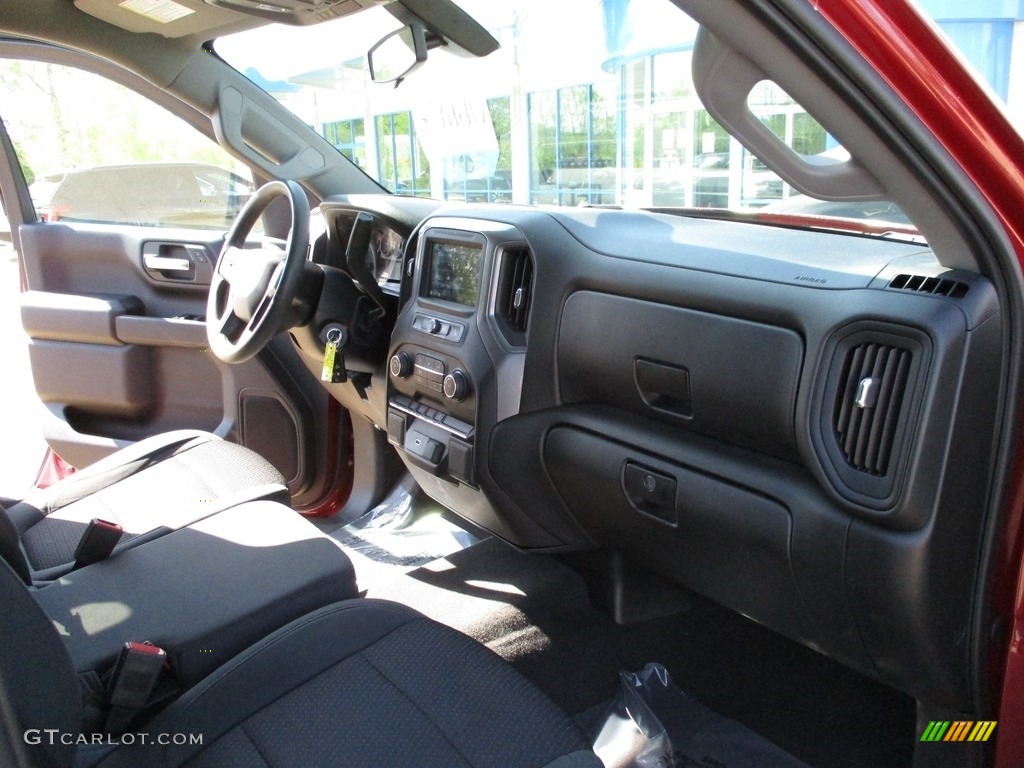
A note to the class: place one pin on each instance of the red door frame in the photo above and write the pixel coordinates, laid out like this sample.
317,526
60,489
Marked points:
900,44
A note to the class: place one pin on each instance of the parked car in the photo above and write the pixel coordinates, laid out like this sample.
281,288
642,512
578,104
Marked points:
149,194
492,189
775,460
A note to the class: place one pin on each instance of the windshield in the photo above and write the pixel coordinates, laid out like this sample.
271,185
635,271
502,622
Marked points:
585,103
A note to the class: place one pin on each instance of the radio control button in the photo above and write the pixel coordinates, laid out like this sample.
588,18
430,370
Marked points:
456,386
400,365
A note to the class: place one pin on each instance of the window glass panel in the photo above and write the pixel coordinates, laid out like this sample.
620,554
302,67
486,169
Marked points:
543,148
500,110
635,116
574,145
471,139
573,148
94,151
711,160
603,141
809,137
401,164
760,185
349,136
670,160
672,76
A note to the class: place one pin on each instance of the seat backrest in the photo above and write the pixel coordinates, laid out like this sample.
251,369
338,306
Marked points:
40,697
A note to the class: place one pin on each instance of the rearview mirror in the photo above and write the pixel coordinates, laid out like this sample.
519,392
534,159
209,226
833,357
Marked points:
397,54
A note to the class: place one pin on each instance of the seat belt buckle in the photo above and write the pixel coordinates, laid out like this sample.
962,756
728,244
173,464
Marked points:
98,541
135,675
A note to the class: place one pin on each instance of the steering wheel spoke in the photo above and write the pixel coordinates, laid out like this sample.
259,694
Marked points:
252,289
231,326
260,312
229,264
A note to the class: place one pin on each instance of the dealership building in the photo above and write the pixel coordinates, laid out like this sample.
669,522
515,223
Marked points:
564,128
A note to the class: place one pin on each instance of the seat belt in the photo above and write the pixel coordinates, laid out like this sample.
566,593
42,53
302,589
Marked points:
135,676
97,542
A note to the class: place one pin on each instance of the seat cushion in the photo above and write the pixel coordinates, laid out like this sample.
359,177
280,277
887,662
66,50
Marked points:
365,683
204,593
157,485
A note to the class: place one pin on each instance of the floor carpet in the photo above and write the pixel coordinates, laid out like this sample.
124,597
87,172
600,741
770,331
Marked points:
535,611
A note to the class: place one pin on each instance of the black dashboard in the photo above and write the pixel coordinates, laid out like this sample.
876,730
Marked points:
791,422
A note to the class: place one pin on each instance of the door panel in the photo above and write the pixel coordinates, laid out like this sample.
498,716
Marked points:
119,352
101,390
116,267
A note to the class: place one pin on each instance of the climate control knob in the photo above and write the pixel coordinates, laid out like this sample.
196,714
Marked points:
456,386
401,365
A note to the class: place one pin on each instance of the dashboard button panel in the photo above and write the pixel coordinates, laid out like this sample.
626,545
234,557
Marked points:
445,421
439,328
429,372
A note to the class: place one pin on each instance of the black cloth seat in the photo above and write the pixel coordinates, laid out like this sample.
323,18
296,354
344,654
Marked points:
203,593
357,683
157,485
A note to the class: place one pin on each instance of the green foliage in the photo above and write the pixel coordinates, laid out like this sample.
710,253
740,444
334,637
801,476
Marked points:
501,119
809,136
26,167
402,165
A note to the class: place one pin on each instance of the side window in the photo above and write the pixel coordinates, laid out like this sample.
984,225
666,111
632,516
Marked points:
94,151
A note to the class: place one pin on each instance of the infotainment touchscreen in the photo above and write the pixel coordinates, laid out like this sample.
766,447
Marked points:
454,272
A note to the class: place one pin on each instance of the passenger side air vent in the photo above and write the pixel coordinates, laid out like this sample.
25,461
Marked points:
515,289
868,404
934,285
870,393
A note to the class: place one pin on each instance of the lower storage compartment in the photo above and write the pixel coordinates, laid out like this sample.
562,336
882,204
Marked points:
110,380
726,541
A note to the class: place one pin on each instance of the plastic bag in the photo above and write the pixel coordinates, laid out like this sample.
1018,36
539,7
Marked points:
631,735
651,723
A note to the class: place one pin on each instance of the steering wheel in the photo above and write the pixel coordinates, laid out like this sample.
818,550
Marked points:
252,289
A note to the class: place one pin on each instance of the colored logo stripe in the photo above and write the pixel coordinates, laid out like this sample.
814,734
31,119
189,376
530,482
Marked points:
935,731
958,730
982,730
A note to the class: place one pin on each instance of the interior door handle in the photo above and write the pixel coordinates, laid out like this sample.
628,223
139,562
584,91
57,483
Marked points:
166,263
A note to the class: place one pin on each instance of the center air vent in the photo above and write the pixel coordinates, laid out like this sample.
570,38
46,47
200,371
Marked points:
868,404
515,287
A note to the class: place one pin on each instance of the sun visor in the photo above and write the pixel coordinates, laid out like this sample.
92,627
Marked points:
297,12
169,18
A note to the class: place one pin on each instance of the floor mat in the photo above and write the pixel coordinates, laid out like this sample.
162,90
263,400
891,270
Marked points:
535,612
405,531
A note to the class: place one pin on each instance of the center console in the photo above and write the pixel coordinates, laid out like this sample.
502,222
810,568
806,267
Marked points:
456,363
